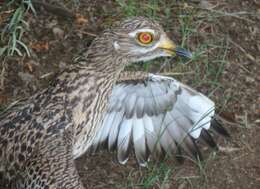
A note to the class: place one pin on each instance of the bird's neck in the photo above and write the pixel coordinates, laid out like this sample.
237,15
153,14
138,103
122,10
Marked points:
103,58
101,69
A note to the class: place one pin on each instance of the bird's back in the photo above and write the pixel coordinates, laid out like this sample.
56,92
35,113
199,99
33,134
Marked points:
27,126
68,104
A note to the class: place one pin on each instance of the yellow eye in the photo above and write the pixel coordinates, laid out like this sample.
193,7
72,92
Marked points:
145,38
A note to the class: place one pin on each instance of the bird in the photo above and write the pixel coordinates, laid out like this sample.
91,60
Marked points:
93,103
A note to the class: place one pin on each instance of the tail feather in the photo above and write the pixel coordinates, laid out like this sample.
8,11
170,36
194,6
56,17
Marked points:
208,139
219,128
179,155
195,150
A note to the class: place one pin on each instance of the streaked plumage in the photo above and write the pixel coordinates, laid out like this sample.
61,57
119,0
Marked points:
40,140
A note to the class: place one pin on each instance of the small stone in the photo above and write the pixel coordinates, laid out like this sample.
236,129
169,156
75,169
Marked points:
206,5
52,24
182,185
26,77
58,32
250,79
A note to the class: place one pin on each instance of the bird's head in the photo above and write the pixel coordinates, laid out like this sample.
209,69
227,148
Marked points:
142,39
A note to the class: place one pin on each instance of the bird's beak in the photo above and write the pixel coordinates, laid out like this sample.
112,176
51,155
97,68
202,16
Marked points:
170,48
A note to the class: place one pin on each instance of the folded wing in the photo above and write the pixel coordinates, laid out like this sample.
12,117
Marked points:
156,117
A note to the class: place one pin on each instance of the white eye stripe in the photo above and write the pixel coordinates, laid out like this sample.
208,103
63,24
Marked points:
133,34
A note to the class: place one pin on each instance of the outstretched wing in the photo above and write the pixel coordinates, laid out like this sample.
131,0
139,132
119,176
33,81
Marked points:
155,117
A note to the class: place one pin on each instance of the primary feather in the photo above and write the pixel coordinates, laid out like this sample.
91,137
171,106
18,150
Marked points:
157,117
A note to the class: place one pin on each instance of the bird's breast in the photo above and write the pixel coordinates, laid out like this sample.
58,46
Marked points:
88,105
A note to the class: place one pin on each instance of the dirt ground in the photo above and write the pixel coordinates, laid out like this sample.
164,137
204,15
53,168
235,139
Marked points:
56,42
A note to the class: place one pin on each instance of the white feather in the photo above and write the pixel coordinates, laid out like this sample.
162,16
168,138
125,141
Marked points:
139,141
113,134
167,142
149,132
123,141
130,104
107,126
168,110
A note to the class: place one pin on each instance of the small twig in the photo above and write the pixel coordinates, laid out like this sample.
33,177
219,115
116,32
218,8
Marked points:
11,106
239,157
177,73
226,121
227,149
87,33
249,56
2,75
247,145
230,14
46,75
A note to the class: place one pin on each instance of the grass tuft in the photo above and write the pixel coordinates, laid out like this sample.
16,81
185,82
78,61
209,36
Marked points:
150,8
14,26
156,176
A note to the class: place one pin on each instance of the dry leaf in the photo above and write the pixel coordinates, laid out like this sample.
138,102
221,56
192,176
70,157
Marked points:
229,116
3,99
29,66
40,46
81,20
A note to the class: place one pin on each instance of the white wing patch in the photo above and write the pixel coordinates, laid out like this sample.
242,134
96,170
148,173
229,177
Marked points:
157,116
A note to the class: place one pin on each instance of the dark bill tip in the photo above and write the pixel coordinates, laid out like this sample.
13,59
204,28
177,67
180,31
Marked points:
183,52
